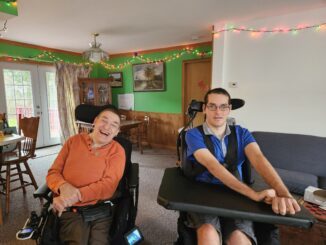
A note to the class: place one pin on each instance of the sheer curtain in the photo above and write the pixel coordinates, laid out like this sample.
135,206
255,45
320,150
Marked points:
68,95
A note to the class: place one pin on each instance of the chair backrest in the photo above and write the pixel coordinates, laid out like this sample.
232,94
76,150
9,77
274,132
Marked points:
3,120
193,108
126,144
28,126
146,121
144,128
87,113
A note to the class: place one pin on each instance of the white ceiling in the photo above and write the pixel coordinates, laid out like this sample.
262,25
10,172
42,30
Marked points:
135,25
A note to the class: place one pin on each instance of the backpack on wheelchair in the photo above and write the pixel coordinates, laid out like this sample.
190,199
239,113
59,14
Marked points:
44,228
265,233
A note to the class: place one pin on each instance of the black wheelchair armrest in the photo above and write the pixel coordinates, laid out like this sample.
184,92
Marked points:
42,192
133,175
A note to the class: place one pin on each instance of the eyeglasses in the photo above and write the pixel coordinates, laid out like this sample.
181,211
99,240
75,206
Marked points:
213,107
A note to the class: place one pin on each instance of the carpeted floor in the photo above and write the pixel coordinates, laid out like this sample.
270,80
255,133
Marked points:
158,225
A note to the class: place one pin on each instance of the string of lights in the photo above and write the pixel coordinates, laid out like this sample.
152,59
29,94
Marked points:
47,56
136,58
41,58
301,27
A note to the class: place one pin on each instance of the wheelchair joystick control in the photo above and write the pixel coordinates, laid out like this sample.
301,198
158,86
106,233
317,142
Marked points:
32,224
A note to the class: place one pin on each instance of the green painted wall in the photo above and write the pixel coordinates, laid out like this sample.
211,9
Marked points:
16,51
8,8
168,101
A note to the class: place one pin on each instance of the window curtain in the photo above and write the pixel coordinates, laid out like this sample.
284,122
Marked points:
68,95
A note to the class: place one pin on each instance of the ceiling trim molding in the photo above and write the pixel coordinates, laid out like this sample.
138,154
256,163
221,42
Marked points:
193,45
25,61
27,45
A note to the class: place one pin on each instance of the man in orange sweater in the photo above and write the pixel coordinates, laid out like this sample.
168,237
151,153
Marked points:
87,170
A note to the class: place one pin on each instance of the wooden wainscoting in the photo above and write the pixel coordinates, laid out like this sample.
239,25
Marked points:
162,128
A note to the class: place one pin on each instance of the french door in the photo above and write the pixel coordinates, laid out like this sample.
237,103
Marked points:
30,90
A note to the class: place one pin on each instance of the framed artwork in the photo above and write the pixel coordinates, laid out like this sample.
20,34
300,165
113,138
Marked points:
116,79
95,91
148,77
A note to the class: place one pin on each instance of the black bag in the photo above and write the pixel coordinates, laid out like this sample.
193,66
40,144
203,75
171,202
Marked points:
49,234
122,222
187,235
94,212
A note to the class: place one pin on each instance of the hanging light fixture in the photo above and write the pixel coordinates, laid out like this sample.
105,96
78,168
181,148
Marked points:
95,53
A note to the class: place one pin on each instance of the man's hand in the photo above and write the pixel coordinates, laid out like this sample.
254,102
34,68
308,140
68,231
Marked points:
58,205
285,205
69,194
266,196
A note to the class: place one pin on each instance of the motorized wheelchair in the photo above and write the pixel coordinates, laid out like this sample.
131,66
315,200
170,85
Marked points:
266,233
125,199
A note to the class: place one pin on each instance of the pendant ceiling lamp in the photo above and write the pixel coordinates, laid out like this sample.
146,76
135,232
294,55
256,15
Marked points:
95,54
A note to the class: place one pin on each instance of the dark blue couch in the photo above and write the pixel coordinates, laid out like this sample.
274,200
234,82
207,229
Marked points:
300,160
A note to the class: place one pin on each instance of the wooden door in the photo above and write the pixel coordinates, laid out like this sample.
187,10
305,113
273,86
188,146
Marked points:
197,78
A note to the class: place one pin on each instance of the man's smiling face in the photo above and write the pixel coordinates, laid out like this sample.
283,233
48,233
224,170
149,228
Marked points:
106,127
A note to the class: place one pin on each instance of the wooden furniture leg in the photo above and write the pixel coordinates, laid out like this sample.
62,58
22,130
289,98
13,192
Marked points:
1,218
140,136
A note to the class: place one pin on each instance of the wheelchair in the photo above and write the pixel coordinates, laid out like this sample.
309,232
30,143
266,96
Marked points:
124,200
265,233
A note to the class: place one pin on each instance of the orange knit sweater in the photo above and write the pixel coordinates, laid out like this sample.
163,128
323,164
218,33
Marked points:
96,172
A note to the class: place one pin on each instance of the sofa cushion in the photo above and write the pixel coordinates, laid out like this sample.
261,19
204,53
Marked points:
322,182
297,182
302,153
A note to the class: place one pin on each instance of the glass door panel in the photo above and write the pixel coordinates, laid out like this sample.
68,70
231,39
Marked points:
49,108
19,96
30,90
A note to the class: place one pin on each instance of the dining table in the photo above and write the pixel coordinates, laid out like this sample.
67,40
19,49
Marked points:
7,139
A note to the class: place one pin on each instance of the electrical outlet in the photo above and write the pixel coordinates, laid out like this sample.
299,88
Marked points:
233,84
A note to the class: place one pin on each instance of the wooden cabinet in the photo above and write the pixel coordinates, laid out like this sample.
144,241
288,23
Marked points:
95,91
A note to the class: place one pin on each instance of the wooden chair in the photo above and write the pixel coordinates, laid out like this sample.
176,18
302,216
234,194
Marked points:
3,120
144,141
12,160
145,127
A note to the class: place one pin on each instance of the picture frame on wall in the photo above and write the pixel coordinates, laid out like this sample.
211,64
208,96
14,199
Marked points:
116,79
148,77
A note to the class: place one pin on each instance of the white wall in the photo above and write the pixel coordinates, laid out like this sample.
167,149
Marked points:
282,77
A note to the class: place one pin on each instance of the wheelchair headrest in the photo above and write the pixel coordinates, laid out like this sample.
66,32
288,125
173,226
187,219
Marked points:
197,106
87,113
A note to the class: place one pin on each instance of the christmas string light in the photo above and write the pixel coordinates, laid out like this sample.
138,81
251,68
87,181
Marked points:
317,27
136,58
41,58
45,55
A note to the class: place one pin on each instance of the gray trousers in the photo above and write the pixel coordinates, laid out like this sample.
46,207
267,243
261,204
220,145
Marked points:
74,231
